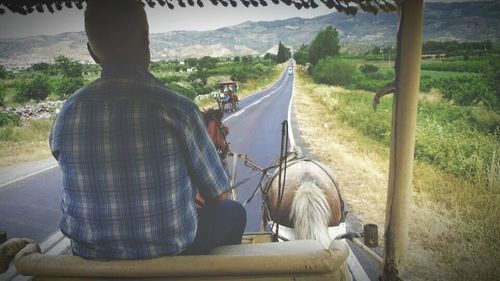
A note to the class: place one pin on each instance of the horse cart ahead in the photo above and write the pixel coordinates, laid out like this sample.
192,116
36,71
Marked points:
227,95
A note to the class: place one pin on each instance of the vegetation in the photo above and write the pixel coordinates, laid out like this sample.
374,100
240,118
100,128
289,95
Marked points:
457,145
455,48
26,140
334,71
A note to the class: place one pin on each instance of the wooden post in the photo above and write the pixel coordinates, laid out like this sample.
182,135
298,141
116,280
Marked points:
409,50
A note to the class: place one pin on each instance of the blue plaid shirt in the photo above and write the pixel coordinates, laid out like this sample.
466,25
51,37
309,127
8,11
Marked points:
132,155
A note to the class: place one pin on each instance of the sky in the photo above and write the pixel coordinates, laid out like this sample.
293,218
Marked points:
161,19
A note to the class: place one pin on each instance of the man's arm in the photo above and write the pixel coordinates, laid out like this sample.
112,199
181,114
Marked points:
207,173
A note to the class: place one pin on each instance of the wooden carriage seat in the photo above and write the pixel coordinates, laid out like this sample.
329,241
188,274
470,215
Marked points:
294,260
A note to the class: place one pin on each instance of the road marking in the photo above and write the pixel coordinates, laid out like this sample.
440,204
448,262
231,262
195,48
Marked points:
59,247
355,267
50,241
290,131
28,175
252,104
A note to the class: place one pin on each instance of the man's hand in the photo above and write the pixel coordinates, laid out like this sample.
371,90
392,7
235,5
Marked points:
200,200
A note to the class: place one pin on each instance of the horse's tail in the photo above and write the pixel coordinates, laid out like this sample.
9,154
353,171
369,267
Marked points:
310,214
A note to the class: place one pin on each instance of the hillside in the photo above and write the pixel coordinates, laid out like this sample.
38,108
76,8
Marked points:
464,21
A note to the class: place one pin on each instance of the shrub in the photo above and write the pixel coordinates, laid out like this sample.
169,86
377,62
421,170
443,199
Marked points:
65,87
9,118
368,68
37,89
334,71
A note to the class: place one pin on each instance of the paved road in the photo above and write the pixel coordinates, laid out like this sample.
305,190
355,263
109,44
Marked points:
29,207
255,130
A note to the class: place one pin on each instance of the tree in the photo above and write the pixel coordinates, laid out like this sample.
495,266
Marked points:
326,43
302,55
284,53
68,67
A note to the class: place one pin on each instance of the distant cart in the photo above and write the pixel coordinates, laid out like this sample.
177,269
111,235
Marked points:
227,95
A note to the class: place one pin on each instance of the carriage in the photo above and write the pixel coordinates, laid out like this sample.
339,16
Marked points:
258,258
227,95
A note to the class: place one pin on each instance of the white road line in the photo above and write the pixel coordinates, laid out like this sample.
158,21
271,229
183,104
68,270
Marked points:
59,247
28,175
357,270
252,104
50,241
290,131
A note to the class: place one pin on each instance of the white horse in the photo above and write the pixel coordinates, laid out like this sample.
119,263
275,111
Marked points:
311,199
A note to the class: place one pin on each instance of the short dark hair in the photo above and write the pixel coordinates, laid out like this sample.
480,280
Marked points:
116,29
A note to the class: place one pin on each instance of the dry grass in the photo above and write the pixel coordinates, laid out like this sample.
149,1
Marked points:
16,153
444,244
29,142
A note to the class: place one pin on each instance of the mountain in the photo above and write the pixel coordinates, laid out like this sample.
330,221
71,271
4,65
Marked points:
463,21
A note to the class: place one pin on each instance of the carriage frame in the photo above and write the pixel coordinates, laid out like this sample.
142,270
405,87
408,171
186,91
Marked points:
409,46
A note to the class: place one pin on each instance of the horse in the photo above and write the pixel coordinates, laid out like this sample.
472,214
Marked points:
309,202
217,132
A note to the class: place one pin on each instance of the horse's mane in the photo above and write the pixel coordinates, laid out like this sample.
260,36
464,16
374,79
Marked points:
212,114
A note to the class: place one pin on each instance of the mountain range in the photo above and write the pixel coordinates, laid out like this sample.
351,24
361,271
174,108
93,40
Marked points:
463,21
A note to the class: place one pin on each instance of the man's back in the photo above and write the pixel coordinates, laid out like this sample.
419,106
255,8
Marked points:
132,155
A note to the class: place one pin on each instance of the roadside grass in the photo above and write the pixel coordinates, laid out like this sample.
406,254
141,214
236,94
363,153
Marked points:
454,226
25,143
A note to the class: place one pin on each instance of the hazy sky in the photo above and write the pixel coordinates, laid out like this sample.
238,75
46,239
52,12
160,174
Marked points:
161,19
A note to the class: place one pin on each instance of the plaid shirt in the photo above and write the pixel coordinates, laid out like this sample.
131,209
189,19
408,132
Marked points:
132,155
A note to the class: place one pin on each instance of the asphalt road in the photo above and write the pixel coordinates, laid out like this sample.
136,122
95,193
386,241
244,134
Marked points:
255,130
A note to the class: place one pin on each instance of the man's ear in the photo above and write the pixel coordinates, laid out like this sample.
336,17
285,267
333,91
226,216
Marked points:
93,55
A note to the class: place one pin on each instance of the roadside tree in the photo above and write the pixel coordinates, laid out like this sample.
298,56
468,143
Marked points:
325,44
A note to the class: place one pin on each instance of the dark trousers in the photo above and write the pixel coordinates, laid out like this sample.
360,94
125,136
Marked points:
219,223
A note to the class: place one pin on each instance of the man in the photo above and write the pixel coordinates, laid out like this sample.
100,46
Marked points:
133,154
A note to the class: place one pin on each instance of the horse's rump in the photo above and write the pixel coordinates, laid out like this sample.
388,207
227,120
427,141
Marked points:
299,172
